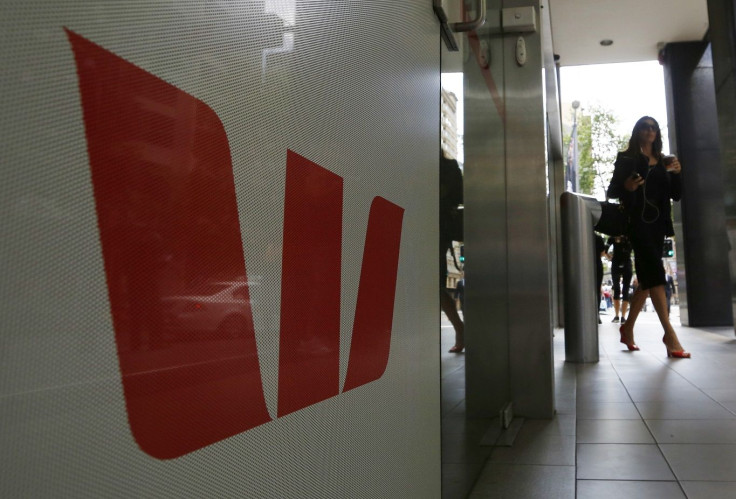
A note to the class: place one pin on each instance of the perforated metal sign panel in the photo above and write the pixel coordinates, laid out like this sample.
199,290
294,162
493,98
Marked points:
218,249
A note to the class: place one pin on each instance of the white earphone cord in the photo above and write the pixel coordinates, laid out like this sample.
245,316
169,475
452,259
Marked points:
646,202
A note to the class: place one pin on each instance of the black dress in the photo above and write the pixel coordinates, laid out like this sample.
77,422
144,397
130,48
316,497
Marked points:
649,209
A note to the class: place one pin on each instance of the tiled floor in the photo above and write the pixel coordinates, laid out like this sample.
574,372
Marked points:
463,457
635,424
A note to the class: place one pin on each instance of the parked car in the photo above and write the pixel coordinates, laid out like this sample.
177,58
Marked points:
214,310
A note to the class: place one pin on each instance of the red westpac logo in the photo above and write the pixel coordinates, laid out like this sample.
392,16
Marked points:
168,221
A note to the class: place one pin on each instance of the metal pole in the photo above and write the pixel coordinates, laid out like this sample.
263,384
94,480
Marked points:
579,214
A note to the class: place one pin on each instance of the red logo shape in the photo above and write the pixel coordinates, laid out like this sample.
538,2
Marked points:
167,216
374,311
309,363
171,242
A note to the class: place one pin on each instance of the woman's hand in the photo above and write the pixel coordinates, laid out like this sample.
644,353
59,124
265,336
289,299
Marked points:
674,167
633,183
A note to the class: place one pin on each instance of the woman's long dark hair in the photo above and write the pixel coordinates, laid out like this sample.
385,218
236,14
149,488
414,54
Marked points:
634,142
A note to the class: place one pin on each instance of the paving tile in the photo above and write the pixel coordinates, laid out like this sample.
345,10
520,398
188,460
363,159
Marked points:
464,447
454,381
667,381
565,405
712,379
730,406
693,431
646,368
456,423
722,394
540,450
560,425
607,410
498,480
613,431
683,409
596,382
709,490
458,479
603,394
621,462
639,394
702,461
451,398
616,489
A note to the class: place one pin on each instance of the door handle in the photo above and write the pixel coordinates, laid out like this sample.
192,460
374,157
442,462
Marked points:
447,28
475,23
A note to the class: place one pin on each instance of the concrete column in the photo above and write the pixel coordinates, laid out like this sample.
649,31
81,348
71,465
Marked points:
700,224
722,33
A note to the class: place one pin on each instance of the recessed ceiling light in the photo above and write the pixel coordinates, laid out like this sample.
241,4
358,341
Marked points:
606,42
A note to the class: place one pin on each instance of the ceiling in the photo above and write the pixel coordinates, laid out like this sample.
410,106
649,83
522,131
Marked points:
637,28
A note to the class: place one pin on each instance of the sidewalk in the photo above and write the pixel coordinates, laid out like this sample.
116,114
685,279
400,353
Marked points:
635,424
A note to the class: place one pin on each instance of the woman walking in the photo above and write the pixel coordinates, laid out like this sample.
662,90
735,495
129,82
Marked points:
644,181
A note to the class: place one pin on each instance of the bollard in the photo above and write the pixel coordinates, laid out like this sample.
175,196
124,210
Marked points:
579,215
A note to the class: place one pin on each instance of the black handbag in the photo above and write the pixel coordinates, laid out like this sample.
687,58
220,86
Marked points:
614,220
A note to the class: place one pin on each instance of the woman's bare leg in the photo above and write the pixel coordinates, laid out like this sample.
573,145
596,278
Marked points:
449,308
659,300
637,302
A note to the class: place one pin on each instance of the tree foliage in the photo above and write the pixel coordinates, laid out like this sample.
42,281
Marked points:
598,144
586,172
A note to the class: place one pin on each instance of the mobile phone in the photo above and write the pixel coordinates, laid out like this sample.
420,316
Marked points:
636,176
668,160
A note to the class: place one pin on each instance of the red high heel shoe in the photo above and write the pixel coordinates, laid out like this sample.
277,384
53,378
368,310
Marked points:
631,346
677,354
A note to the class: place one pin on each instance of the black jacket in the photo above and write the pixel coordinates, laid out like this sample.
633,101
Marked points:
661,186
